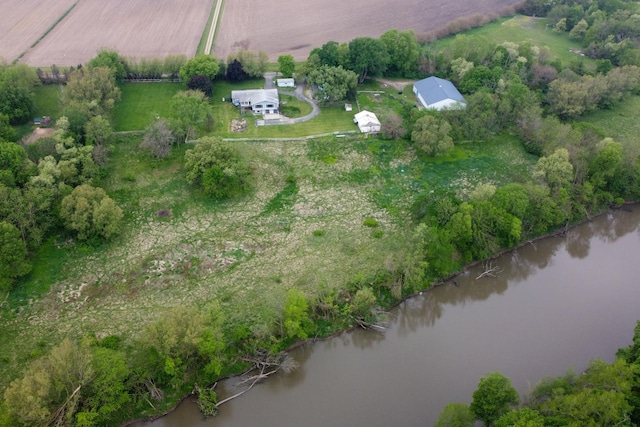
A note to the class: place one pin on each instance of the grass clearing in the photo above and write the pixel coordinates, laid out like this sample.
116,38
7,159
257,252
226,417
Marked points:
141,102
520,29
621,122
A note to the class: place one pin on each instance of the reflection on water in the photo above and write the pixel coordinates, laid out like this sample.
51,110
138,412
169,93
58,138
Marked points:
556,304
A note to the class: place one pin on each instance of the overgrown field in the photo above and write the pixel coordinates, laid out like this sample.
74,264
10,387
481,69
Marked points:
302,226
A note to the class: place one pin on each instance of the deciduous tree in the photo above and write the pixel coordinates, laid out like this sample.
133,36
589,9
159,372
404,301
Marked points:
16,91
93,91
202,83
404,50
333,83
456,415
431,136
235,72
493,398
368,56
158,138
189,110
13,254
112,60
205,65
89,212
217,167
287,65
97,130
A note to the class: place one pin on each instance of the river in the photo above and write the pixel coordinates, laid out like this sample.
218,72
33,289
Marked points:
555,305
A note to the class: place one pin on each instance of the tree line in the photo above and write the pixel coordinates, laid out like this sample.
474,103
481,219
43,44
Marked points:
605,394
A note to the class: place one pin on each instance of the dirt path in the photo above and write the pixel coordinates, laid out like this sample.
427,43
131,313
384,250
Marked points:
214,25
396,84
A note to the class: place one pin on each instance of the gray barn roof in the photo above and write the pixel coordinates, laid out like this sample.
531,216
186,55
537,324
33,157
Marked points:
434,89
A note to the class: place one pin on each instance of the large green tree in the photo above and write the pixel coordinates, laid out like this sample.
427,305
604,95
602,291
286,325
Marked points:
189,110
368,57
16,91
201,65
431,136
90,213
404,50
333,83
112,60
287,65
92,91
493,398
13,254
217,167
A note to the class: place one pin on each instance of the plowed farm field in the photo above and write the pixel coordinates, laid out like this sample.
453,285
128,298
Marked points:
156,28
297,26
22,22
138,28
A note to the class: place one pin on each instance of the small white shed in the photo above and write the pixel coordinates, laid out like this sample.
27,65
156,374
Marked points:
367,122
286,82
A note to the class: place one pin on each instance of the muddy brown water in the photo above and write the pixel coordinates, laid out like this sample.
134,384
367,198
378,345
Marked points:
556,305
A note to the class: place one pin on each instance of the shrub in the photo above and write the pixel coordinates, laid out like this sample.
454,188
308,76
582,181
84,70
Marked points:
370,222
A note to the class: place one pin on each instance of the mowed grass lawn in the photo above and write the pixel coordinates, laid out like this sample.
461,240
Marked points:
520,29
141,102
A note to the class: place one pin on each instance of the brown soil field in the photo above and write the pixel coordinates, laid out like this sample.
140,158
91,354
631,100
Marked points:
22,22
138,28
297,26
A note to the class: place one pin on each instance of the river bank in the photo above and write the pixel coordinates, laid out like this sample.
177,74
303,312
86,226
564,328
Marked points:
467,282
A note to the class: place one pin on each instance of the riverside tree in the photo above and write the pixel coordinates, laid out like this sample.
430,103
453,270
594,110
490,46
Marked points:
493,398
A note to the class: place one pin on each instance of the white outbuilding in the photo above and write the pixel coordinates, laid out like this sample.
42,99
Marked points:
367,122
286,82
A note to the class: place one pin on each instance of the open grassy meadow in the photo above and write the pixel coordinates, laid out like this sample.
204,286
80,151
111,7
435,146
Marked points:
302,226
620,123
520,29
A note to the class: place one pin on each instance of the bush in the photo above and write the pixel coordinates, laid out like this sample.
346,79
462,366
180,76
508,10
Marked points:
370,222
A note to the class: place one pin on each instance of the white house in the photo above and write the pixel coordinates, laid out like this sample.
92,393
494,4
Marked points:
260,101
286,82
367,122
437,94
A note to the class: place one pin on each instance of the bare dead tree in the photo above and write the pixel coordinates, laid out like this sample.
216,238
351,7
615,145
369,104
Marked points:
490,270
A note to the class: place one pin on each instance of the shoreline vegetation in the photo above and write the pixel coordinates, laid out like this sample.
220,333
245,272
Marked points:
212,259
439,282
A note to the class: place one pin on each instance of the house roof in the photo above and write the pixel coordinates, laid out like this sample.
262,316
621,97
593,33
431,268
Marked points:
434,89
255,96
366,118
